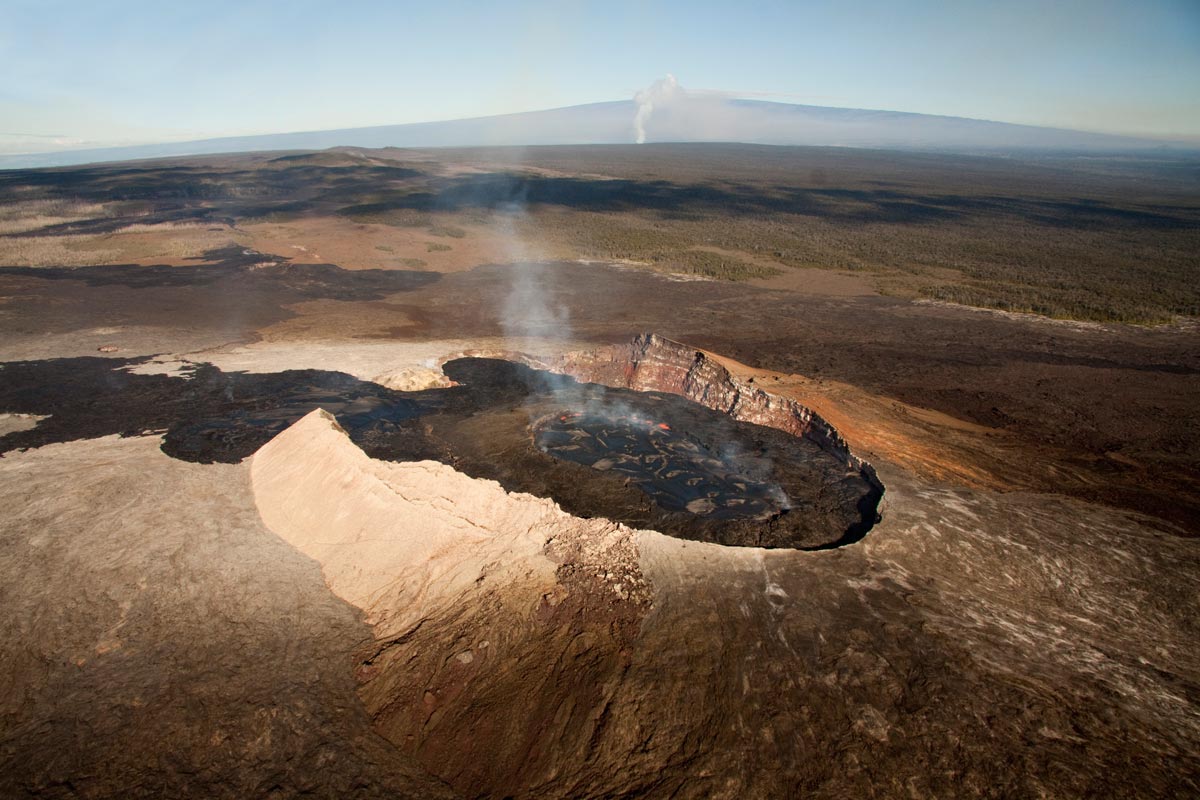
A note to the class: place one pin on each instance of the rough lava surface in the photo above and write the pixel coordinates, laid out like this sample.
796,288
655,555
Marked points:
974,643
311,622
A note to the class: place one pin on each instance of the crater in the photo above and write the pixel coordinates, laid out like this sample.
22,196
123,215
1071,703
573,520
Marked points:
681,448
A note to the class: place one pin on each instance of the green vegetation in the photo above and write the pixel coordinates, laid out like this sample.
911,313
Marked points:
1091,239
384,214
413,263
712,265
452,231
659,245
1105,261
438,247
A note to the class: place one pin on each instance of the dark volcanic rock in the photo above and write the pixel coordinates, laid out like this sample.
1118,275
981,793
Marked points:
775,488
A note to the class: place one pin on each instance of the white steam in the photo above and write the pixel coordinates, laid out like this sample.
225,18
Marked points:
528,312
660,92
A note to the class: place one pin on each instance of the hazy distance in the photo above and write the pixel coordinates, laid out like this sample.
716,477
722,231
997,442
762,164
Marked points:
86,76
673,117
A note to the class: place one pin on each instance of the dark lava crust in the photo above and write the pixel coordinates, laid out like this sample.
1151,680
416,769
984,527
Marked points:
678,469
795,494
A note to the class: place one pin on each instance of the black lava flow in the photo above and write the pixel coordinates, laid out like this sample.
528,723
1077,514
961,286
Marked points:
647,459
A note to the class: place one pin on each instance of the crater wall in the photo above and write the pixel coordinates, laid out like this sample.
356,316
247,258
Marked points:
654,363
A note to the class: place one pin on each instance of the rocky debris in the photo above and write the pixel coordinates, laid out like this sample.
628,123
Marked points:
604,560
413,379
107,348
503,353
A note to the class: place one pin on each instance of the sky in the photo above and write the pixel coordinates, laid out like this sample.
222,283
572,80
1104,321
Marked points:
101,72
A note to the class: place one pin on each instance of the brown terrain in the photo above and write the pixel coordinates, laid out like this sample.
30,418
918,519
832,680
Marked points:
257,543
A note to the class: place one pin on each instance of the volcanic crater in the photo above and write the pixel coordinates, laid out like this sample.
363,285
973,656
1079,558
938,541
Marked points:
673,443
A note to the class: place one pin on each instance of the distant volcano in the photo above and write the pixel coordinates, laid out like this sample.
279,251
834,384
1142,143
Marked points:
687,118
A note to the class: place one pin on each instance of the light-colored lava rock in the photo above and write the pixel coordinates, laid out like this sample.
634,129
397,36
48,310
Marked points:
11,423
513,581
157,640
409,364
413,379
400,541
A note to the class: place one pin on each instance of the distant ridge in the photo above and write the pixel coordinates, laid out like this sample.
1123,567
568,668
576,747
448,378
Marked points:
687,119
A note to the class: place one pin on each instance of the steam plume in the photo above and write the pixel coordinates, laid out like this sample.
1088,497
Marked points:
660,92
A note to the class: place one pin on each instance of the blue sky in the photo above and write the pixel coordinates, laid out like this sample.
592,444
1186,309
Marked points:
107,71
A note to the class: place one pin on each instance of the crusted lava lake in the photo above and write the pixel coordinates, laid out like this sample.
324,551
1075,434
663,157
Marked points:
644,458
675,468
